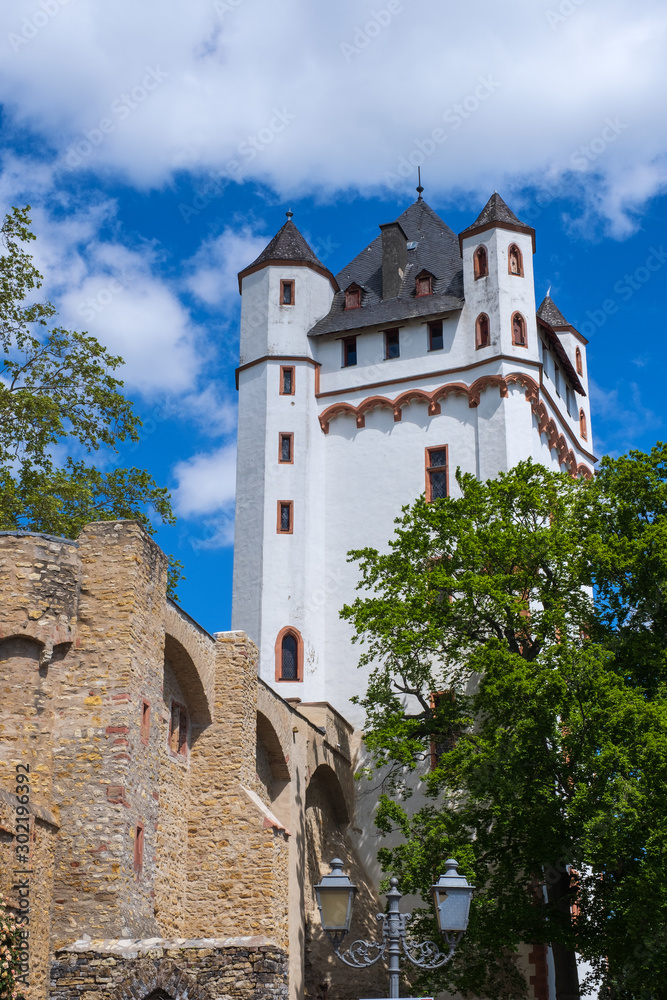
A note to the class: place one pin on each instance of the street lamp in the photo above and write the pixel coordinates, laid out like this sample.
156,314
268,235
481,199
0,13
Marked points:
451,896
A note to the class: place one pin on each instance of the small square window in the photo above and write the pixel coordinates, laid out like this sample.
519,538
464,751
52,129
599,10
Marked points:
285,517
287,293
285,448
435,339
349,352
392,348
353,297
424,284
286,381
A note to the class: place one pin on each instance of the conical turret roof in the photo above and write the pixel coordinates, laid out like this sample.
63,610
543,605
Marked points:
551,314
288,246
496,214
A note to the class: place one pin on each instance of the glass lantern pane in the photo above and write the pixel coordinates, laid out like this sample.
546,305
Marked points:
334,903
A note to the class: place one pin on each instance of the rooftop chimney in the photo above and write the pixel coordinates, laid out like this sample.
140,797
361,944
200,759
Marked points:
394,258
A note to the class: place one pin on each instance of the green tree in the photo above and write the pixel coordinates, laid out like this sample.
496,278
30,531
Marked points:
10,959
548,722
57,388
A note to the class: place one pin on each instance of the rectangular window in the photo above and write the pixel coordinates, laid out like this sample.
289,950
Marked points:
285,517
287,293
178,730
286,381
435,341
145,730
437,476
349,352
392,347
139,847
557,380
285,448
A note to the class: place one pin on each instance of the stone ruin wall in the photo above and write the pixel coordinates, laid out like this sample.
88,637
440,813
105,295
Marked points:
235,833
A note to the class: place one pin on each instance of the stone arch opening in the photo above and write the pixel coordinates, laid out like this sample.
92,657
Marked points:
273,775
187,676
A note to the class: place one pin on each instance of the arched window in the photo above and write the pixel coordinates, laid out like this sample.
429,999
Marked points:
424,284
482,331
481,262
289,655
519,331
580,367
353,297
515,260
583,430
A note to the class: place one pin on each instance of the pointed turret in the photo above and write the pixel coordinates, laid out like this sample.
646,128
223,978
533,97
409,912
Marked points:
288,246
551,314
497,215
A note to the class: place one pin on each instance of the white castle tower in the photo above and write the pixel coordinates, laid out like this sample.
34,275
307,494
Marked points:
359,392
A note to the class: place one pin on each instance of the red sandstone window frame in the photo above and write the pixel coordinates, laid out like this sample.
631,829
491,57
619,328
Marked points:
583,426
145,729
279,524
286,436
431,469
286,283
480,339
353,297
522,321
579,362
138,862
349,349
289,630
514,251
283,370
423,284
392,339
177,709
435,329
481,262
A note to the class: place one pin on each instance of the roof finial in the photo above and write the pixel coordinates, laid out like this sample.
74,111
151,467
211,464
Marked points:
419,188
548,291
289,213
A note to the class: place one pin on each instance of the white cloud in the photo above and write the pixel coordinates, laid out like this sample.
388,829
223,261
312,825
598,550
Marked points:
620,417
140,318
334,96
206,483
215,266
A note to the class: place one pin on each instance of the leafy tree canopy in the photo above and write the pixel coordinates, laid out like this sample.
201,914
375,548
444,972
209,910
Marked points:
57,388
534,716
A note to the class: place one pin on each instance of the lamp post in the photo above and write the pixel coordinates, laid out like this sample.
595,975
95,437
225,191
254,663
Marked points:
451,896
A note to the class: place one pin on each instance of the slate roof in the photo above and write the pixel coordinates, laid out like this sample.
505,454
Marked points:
287,244
495,210
551,314
437,251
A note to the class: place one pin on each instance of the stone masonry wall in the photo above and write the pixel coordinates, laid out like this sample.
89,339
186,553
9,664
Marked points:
250,968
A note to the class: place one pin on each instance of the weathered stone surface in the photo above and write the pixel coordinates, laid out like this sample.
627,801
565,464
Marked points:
231,825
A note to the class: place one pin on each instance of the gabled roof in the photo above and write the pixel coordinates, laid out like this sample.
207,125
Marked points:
436,251
497,215
288,246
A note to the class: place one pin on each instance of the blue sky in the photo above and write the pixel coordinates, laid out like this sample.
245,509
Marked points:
160,145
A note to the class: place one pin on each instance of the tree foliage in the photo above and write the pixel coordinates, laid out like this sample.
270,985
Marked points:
10,954
58,393
543,710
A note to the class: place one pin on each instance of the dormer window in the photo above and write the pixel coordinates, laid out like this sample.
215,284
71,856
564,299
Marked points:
424,284
481,262
353,297
515,261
